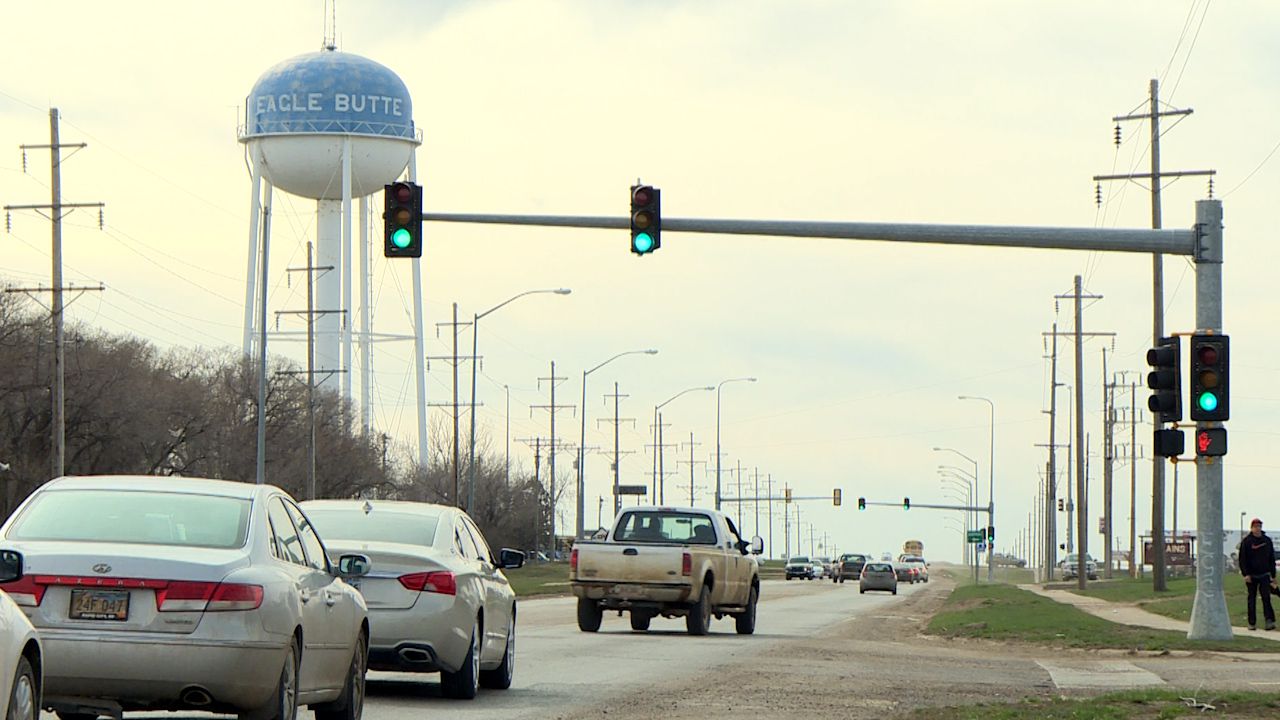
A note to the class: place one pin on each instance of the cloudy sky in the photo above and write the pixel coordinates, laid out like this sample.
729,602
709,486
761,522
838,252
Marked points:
938,112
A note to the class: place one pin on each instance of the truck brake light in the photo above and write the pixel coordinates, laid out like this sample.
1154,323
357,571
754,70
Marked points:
573,561
686,564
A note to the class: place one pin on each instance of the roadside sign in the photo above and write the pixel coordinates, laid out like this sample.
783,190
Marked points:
982,547
975,536
633,489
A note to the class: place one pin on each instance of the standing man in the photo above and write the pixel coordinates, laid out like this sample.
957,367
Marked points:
1258,566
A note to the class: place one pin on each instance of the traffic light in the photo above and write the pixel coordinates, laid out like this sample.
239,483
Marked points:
1209,386
906,503
862,503
402,220
787,493
835,497
1165,379
1061,505
646,219
991,533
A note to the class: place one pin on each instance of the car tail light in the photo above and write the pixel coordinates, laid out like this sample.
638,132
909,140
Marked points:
686,564
442,582
573,561
186,596
25,591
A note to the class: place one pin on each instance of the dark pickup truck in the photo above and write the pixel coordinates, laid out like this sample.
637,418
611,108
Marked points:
849,566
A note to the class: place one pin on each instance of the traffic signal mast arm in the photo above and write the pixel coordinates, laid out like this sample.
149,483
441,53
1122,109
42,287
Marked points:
927,506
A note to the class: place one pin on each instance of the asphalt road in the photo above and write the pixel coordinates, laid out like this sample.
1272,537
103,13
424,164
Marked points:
561,669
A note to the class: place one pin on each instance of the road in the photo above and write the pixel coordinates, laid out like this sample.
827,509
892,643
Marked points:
559,668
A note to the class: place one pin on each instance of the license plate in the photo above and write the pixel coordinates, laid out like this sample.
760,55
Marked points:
89,604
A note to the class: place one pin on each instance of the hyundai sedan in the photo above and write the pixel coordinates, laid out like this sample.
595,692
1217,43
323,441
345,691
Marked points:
165,593
438,601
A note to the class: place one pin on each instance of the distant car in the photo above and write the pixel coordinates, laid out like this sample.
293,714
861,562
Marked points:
878,576
917,564
438,601
827,568
1070,567
799,566
20,656
904,572
1006,560
170,593
849,566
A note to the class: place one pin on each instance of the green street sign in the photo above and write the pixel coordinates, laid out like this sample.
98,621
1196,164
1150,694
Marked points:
975,536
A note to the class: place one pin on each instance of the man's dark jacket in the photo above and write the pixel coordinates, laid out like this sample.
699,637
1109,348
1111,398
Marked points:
1257,556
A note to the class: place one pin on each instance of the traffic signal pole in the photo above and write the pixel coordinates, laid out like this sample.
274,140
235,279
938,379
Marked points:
1203,243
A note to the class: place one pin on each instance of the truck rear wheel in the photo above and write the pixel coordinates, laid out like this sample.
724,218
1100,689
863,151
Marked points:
589,615
699,617
640,620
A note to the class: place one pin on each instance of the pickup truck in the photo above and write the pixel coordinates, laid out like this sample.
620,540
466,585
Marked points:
671,562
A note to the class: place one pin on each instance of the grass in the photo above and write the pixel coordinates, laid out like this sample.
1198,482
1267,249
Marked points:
1008,575
1176,602
1130,705
1007,614
549,578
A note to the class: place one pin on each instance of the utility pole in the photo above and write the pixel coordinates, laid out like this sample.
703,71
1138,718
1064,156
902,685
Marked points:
56,208
692,463
311,313
1051,480
454,360
1108,442
1156,178
786,526
659,461
769,494
552,382
617,452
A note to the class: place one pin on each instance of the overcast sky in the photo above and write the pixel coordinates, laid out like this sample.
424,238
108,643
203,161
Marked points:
937,112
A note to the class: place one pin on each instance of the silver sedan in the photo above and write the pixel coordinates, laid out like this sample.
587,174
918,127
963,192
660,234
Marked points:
438,601
179,594
20,656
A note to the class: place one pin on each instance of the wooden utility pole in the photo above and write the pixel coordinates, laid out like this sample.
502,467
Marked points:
56,208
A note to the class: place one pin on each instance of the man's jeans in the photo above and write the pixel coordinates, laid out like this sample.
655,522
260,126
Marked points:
1261,585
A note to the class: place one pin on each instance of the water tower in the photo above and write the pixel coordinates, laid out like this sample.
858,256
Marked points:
333,127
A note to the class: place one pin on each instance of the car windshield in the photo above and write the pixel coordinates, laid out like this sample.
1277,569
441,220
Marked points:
799,560
879,567
377,526
134,516
666,526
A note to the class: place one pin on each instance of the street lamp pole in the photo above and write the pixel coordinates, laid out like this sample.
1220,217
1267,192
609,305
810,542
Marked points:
657,435
582,443
991,482
722,384
475,348
973,475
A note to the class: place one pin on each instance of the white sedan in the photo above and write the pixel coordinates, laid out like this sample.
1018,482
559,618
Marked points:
438,601
20,656
166,593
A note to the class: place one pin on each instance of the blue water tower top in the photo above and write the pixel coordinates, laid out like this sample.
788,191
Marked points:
329,92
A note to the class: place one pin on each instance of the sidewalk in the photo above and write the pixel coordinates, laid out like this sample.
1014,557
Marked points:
1129,614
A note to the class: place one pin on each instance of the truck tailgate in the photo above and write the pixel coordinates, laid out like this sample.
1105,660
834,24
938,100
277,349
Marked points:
622,563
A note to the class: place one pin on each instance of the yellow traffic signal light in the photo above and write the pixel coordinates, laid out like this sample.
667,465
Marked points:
835,497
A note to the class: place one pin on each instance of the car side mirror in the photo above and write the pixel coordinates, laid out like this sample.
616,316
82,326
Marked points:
353,566
10,565
509,559
757,545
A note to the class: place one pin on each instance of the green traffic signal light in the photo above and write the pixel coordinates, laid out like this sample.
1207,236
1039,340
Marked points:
906,503
642,243
401,238
862,503
1208,402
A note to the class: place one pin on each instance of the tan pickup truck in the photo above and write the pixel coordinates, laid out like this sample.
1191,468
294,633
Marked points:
668,561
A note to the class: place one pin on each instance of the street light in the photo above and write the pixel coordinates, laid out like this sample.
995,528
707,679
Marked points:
991,482
582,443
722,384
657,438
974,477
950,474
475,349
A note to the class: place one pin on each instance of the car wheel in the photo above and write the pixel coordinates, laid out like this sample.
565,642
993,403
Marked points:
894,591
499,678
699,617
465,683
640,620
788,577
284,705
589,615
24,697
350,704
745,622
